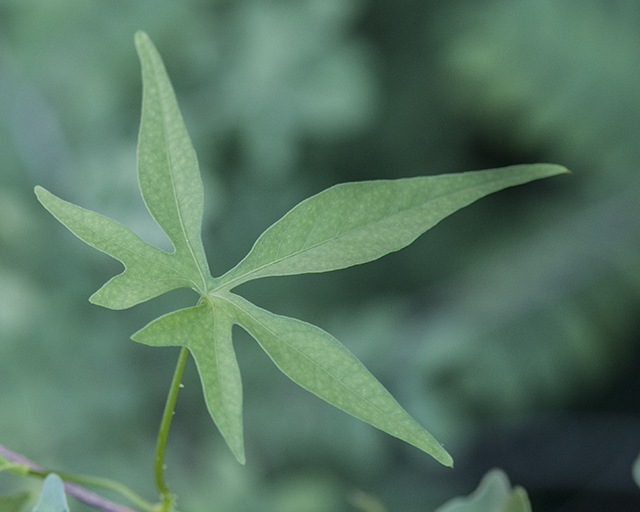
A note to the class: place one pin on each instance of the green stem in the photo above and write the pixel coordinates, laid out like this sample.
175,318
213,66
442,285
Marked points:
165,493
22,466
104,483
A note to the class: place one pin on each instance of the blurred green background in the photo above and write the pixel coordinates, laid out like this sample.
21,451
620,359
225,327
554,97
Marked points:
510,330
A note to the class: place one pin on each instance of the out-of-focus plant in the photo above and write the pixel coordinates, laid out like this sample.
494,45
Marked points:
345,225
494,494
524,86
52,497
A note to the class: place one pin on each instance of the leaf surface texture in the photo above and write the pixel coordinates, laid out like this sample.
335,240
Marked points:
345,225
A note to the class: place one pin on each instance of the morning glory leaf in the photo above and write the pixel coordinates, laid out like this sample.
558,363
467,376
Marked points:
354,223
345,225
149,271
206,331
319,363
167,165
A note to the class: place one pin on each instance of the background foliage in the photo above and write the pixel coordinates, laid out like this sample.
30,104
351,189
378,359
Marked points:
510,330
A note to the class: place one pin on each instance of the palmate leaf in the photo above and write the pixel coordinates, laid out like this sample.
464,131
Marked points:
343,226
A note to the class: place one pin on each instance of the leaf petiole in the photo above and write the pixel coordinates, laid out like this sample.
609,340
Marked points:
166,495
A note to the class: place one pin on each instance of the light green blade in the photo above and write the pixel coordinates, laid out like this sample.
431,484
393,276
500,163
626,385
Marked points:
167,165
319,363
206,331
354,223
52,497
149,272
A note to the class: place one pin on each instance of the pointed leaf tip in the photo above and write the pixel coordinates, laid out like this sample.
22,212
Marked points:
149,272
168,171
316,361
140,36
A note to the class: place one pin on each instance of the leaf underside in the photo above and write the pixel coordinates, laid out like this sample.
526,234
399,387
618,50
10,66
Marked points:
52,497
345,225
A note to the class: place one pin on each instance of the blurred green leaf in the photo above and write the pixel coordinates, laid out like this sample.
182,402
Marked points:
366,502
494,494
52,497
14,502
636,471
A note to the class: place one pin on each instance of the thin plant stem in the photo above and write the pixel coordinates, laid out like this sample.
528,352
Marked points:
106,483
165,493
72,481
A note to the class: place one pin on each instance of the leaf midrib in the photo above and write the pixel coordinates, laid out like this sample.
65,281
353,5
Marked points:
165,123
303,355
247,276
223,398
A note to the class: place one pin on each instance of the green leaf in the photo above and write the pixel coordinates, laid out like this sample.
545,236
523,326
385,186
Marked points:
14,502
149,271
345,225
494,494
315,360
167,165
206,331
172,190
52,497
353,223
636,471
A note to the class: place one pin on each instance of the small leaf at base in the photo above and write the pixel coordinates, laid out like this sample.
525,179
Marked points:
52,497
